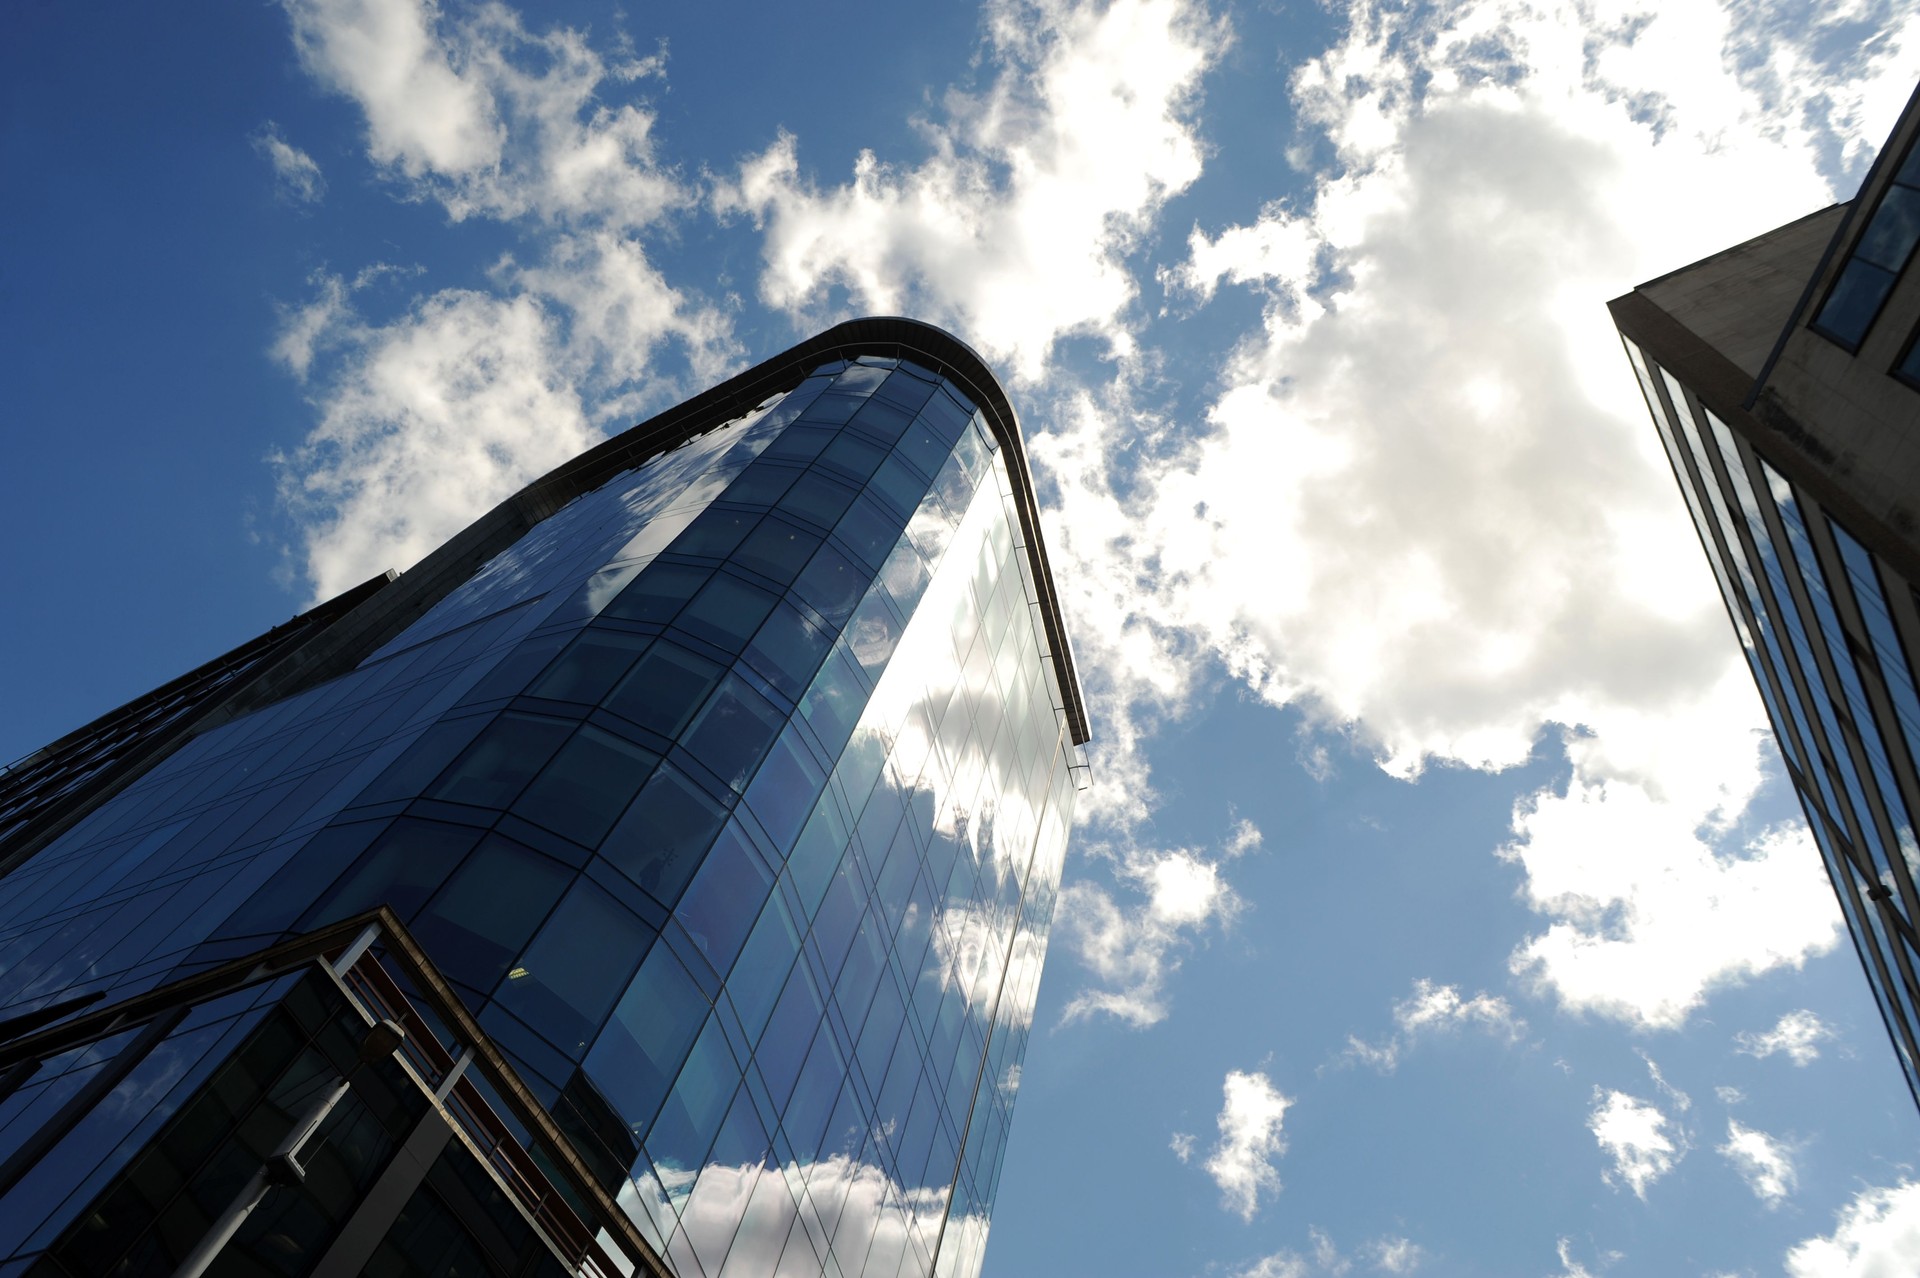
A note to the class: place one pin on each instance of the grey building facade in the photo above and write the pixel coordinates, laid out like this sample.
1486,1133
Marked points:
1784,379
655,879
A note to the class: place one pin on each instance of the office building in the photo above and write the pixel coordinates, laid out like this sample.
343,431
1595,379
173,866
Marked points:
1784,377
653,880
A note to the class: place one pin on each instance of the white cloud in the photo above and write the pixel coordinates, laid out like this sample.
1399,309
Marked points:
1877,1235
1763,1162
1569,1267
1428,501
1436,1009
1016,229
1394,1255
1634,1134
1182,1146
1381,1255
1798,1034
1281,1264
465,106
1133,944
746,1215
1242,1161
295,173
429,417
1651,913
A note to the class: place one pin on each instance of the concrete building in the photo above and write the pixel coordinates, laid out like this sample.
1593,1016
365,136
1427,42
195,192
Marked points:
1784,378
653,880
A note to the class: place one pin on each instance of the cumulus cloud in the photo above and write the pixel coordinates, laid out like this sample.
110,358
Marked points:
1764,1163
295,174
465,106
1635,1135
429,416
1651,913
1436,1009
1017,228
1131,939
1427,501
1797,1034
1877,1235
1242,1160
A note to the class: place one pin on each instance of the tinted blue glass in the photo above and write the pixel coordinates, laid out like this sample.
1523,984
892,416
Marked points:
762,967
788,650
400,871
1890,236
500,763
659,842
587,671
654,1026
658,594
566,982
784,790
479,921
727,612
722,901
777,550
1855,300
583,791
734,730
665,688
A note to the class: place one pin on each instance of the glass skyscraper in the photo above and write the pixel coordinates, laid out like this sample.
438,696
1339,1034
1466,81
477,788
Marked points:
655,879
1782,376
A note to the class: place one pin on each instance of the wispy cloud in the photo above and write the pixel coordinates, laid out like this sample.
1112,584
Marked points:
1242,1160
1131,939
1764,1163
1436,1009
1876,1234
295,174
1797,1035
1635,1135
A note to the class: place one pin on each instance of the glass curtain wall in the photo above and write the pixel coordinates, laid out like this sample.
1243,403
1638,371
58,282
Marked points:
733,798
1827,654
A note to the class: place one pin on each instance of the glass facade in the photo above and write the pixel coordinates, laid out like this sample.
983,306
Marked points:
731,799
1816,615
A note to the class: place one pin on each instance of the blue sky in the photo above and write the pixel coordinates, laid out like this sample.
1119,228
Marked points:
1440,907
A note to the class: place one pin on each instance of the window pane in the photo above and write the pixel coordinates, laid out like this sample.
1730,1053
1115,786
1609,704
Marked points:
787,650
784,789
734,731
502,761
1890,237
1855,301
818,500
664,689
777,549
587,786
400,871
832,585
715,533
477,924
658,593
566,982
591,666
724,897
635,1059
659,842
727,612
